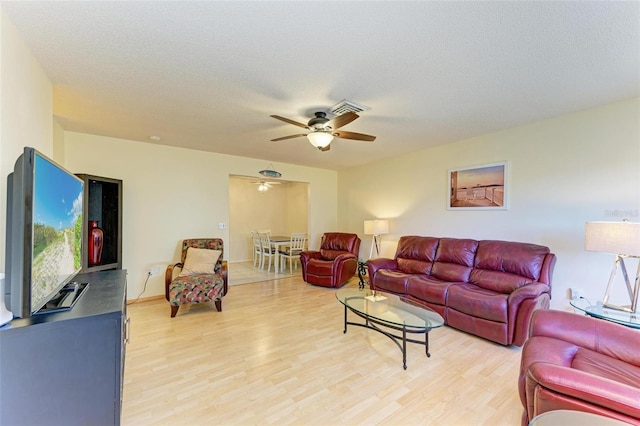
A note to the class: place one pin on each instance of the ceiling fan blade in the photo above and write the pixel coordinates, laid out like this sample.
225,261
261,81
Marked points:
326,148
288,137
286,120
342,120
355,136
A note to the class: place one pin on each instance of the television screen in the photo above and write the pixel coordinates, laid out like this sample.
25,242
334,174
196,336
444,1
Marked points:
44,232
57,230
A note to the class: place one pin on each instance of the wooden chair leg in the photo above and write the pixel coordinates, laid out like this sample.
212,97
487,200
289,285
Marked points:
218,305
174,310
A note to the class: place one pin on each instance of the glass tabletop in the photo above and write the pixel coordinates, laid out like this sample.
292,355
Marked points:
389,308
614,315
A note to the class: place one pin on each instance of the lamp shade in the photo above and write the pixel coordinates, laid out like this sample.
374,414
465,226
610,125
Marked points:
376,227
320,139
613,237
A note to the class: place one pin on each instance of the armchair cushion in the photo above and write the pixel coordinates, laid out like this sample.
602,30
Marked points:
195,288
200,261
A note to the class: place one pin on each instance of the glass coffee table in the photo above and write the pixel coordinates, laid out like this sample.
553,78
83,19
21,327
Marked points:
613,315
391,312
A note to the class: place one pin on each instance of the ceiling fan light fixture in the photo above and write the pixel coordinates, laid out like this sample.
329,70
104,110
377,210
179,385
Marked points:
320,139
263,187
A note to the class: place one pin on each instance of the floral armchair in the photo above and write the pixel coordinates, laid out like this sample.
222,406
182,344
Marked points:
203,276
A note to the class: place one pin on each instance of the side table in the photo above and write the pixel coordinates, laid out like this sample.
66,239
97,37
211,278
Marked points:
571,417
362,273
598,311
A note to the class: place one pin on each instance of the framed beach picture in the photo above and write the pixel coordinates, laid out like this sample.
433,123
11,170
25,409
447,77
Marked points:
481,187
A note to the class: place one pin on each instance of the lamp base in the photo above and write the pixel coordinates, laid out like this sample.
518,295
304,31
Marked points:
633,293
626,308
375,298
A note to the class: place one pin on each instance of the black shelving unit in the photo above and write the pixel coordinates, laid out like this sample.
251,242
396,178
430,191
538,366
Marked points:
103,203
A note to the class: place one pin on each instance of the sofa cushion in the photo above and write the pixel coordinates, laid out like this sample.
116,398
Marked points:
607,367
413,266
478,302
454,259
428,289
330,254
415,255
461,252
502,282
392,281
334,244
419,248
516,258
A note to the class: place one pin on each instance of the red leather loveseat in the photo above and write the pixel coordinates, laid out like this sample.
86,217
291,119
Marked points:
487,288
575,362
335,263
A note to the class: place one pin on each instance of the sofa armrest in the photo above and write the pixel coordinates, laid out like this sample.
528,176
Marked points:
605,337
380,263
305,256
526,292
224,273
584,386
529,291
168,277
344,257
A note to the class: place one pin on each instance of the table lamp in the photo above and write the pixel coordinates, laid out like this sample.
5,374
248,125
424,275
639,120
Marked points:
376,228
623,240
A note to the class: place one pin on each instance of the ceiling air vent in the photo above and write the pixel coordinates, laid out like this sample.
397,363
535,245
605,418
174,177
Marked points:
347,106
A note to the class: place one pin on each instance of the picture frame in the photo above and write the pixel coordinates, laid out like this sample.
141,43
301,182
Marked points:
481,187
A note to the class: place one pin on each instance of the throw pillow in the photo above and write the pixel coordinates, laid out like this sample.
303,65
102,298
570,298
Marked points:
200,261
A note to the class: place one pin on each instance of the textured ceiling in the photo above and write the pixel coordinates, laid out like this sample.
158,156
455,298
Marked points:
207,75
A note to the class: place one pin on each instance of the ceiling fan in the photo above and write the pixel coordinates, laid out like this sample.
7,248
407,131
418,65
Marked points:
265,185
322,130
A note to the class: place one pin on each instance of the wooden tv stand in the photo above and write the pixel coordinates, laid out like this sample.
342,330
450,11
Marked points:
67,367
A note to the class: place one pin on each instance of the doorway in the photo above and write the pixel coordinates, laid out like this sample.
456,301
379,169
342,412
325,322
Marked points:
282,208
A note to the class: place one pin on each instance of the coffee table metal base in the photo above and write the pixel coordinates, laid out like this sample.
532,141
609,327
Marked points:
400,341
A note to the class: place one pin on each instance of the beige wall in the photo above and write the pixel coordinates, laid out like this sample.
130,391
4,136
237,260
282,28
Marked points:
283,209
563,172
170,194
26,114
296,210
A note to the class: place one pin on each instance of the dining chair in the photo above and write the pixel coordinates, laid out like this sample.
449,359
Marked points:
257,248
292,251
266,251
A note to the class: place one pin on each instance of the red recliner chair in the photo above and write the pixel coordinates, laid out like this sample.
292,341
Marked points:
575,362
335,263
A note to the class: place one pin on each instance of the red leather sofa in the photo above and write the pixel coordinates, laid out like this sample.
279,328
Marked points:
487,288
335,263
575,362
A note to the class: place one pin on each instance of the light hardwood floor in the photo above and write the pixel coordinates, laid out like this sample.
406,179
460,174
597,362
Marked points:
276,354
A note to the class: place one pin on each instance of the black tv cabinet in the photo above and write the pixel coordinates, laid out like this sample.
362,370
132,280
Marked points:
66,368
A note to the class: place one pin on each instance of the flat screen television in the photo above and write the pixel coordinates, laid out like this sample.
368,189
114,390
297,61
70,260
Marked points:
44,232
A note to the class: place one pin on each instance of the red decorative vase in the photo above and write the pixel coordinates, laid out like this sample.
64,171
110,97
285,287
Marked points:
96,239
